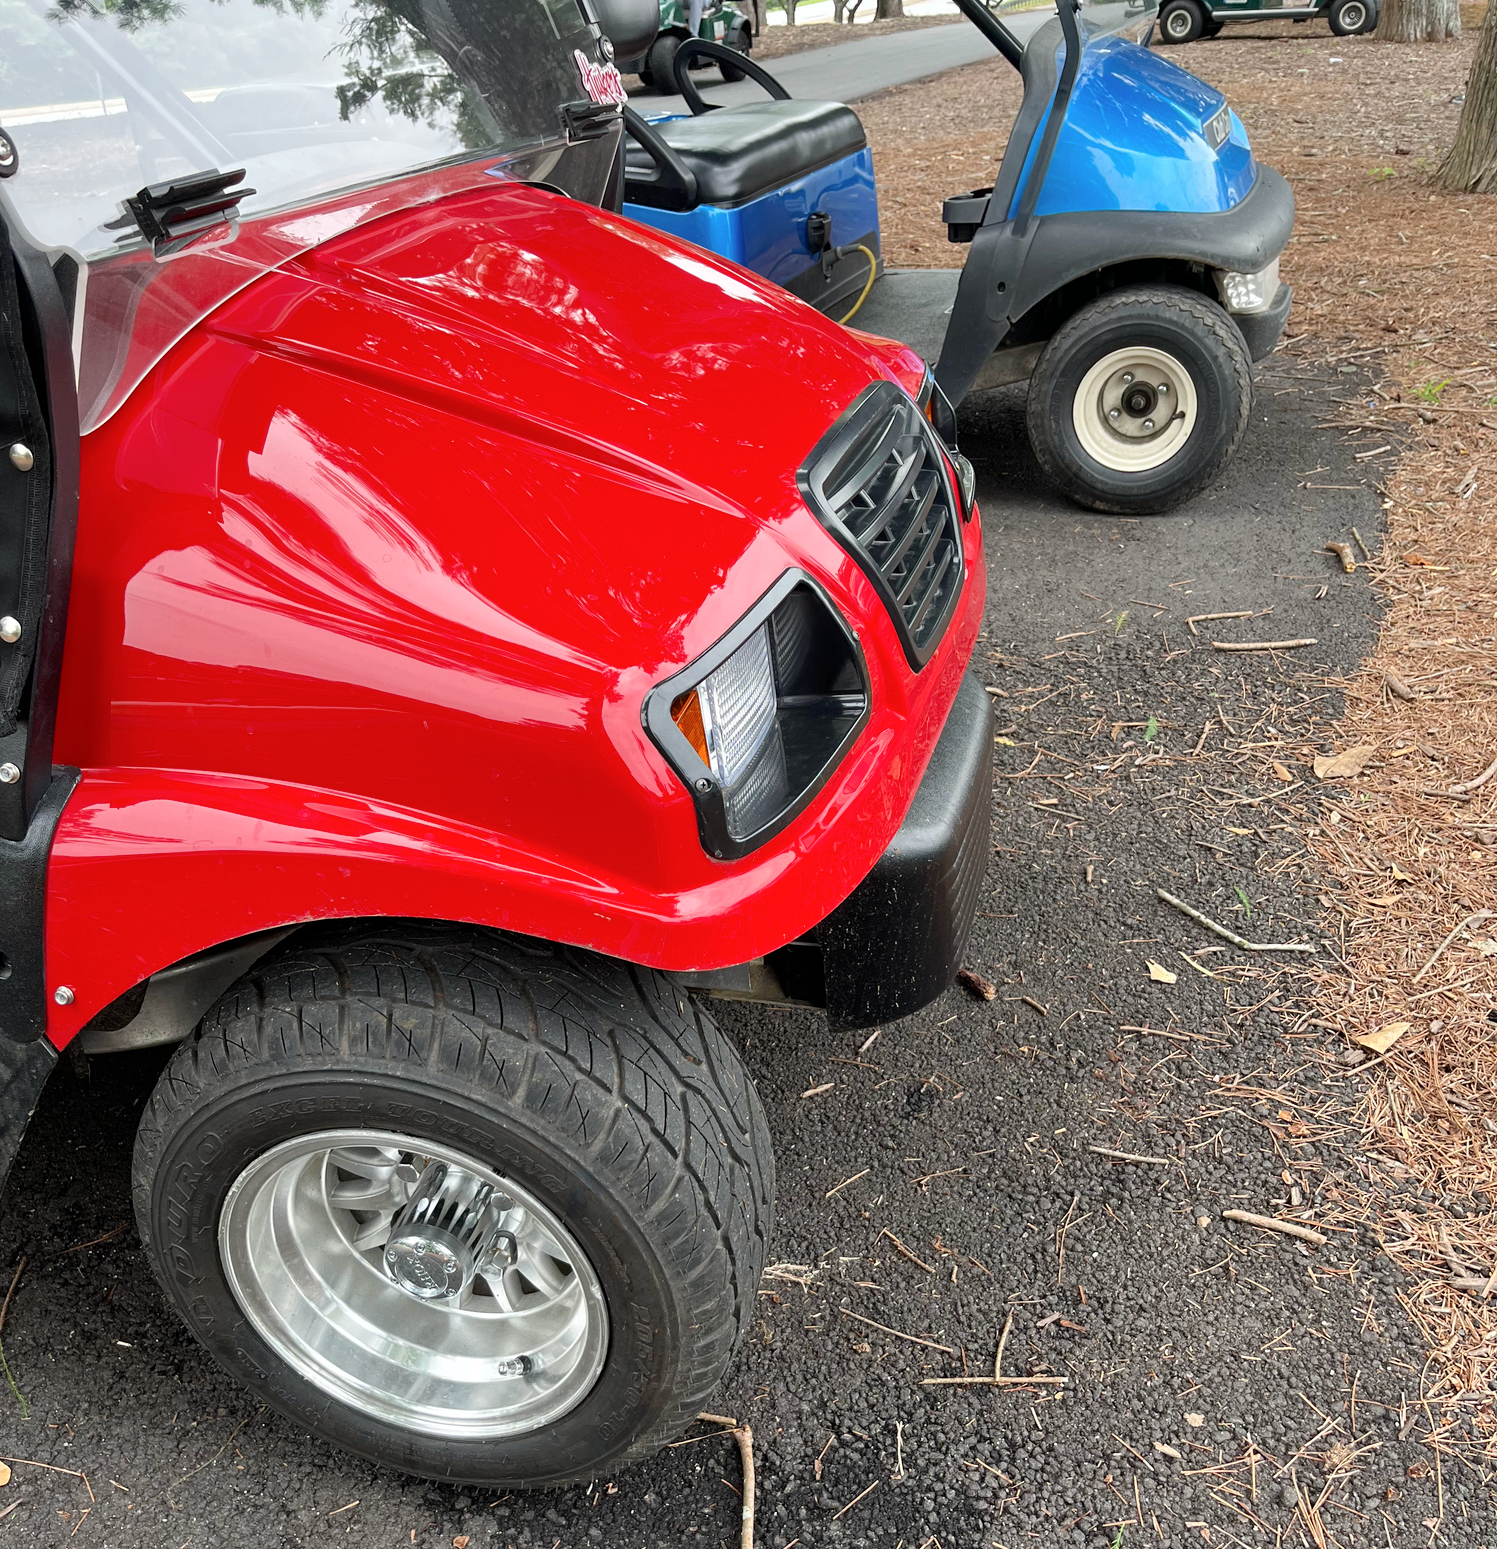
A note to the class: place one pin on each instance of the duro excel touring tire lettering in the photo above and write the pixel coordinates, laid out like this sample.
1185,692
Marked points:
528,1188
1140,399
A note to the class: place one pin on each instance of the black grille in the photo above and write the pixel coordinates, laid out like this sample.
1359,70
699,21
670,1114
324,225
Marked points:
878,480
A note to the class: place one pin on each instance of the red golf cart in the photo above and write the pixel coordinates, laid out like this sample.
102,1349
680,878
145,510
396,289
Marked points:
446,632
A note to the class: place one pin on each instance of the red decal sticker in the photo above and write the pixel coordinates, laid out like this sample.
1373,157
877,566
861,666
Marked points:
602,83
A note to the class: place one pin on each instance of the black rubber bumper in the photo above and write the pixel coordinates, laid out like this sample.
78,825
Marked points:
897,942
1261,330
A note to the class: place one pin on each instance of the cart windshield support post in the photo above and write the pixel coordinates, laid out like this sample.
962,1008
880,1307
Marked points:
999,247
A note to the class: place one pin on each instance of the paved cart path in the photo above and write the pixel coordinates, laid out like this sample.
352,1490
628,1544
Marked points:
964,1131
846,71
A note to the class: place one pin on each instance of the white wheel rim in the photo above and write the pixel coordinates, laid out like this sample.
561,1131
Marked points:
1134,410
301,1236
1177,23
1352,16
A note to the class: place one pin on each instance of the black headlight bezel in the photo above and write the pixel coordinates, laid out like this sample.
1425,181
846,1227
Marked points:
701,782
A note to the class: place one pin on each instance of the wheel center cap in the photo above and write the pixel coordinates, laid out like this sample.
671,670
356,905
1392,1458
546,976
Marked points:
429,1266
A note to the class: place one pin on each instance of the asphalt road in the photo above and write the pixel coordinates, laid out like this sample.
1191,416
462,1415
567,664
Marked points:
844,72
1212,1370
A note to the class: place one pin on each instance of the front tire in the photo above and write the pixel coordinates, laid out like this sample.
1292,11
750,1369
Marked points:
739,42
1181,21
1347,17
1140,399
532,1189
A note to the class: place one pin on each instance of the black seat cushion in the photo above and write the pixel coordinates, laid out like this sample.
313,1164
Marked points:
737,154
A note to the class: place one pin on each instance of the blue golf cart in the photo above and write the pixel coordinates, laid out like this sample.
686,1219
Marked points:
1124,262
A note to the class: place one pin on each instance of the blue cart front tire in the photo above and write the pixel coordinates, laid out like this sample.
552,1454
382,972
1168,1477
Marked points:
1140,399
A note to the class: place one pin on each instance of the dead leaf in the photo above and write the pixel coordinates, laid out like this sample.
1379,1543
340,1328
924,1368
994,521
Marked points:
460,1542
1401,876
974,984
1167,1450
1415,559
1281,773
1344,765
1160,974
1487,948
1005,742
4,1474
1384,1038
1195,1420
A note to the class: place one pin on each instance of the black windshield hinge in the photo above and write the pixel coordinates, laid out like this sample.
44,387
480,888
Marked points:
168,213
588,120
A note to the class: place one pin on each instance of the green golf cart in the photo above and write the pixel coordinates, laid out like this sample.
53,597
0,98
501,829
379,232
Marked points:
1183,21
722,22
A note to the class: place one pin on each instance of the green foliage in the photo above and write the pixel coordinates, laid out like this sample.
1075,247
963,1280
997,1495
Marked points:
1244,900
1430,391
1151,731
1382,174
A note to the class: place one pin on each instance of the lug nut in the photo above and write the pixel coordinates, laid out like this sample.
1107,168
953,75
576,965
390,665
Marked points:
9,774
20,456
1148,424
1112,414
1127,376
1164,387
10,629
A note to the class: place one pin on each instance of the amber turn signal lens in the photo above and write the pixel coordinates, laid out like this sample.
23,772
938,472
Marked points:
686,712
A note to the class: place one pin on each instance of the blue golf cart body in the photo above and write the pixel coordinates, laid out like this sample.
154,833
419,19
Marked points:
1122,170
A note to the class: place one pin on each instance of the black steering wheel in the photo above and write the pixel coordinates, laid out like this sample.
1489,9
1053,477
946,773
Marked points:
692,47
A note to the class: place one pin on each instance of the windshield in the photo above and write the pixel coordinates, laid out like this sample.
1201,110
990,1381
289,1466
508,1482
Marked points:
331,104
1021,19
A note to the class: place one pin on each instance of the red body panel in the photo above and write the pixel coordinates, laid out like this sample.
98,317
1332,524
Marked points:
373,574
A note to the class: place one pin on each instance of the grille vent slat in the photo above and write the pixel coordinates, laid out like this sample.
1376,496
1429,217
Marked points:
880,482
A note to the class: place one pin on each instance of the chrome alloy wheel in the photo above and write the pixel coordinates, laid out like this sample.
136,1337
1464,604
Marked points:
1178,23
1354,16
414,1283
1134,409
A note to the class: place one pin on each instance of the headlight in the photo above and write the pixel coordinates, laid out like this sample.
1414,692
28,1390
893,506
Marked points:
756,726
1249,292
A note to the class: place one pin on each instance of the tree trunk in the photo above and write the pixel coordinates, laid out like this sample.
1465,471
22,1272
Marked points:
888,9
1471,166
1418,21
790,6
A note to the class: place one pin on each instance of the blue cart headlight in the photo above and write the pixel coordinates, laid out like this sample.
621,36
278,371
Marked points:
1249,292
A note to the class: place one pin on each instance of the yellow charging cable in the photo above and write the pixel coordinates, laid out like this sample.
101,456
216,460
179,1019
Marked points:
857,247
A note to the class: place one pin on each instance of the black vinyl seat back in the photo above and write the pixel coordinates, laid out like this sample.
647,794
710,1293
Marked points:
737,154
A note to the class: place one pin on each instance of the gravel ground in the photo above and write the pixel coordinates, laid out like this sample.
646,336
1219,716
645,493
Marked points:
1218,1378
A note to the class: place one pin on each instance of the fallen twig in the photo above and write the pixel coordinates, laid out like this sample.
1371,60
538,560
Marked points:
744,1436
1361,544
847,1508
846,1181
1398,688
975,985
1471,919
900,1248
883,1328
1008,1323
1229,935
1130,1156
1260,645
4,1363
1273,1224
1343,552
990,1382
1201,618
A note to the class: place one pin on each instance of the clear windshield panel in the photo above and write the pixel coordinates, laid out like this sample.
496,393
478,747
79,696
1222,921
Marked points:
1021,19
329,106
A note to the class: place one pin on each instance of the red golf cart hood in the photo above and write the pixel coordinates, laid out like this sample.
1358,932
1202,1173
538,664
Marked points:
567,407
395,543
